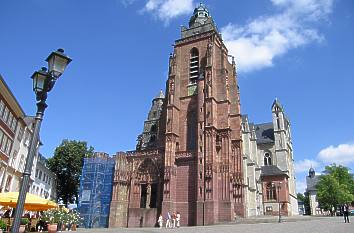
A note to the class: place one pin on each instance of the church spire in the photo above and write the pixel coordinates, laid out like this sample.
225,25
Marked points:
200,16
276,106
200,22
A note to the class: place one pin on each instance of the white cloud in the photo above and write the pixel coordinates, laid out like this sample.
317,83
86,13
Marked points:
256,44
342,154
305,165
300,186
166,10
127,2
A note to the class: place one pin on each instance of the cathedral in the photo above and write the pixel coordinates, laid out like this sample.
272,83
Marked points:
197,154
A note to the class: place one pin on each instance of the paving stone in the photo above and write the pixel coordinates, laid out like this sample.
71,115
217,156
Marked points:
290,225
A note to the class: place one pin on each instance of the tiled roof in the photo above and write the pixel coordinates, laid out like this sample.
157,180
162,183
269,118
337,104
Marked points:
264,133
311,183
272,170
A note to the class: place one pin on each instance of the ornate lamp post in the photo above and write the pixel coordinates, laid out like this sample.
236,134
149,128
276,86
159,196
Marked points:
43,82
278,189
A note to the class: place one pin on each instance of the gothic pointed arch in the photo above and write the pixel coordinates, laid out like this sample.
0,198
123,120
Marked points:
267,159
148,171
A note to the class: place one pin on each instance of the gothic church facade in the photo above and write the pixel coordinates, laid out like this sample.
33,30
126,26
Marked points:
189,157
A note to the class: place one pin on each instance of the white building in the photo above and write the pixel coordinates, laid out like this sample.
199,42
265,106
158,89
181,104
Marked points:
311,182
16,130
44,184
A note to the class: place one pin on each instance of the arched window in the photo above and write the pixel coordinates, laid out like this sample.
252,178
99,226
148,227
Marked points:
267,159
271,191
153,138
194,66
153,128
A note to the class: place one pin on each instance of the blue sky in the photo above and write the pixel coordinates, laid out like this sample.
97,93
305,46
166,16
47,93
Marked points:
299,51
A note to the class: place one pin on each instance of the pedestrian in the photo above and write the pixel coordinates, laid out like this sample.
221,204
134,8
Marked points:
7,213
168,220
174,220
160,221
346,213
178,219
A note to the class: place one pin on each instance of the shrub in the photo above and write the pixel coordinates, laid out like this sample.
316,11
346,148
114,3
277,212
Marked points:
3,225
24,221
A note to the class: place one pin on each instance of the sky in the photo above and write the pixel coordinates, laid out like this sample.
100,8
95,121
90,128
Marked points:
301,52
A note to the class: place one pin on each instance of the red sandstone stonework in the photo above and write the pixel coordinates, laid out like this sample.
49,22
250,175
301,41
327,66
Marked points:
196,168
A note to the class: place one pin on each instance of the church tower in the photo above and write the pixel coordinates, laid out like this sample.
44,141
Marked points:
202,153
150,137
284,150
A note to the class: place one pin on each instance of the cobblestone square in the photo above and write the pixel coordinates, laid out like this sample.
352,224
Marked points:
301,224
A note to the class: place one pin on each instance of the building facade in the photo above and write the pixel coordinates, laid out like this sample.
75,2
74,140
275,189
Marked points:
269,166
189,157
44,184
16,130
311,181
197,154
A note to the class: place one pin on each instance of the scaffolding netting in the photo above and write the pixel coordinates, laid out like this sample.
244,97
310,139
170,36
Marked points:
96,191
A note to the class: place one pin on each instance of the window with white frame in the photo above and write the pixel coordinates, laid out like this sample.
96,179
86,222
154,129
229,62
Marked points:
20,133
21,166
13,124
5,115
2,106
14,157
8,146
3,142
8,183
1,137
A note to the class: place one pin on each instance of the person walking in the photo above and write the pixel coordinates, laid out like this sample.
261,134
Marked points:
174,220
178,219
160,221
346,213
168,220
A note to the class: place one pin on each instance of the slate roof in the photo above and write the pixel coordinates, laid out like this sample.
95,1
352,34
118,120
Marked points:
312,182
264,133
271,170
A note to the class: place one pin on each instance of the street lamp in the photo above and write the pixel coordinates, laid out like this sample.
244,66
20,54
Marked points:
278,189
43,82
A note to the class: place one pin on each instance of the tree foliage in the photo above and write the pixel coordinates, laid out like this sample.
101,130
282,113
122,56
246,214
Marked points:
67,165
335,187
307,203
305,198
300,197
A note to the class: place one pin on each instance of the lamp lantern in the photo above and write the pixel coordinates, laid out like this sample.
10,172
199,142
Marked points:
40,80
57,62
43,82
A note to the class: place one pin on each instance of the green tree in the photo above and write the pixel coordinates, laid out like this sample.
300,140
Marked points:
307,203
306,200
335,187
67,165
300,197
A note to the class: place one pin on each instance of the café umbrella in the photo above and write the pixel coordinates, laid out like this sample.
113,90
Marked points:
32,203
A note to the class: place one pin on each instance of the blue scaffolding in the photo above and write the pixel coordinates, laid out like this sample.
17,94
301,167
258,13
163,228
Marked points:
95,194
